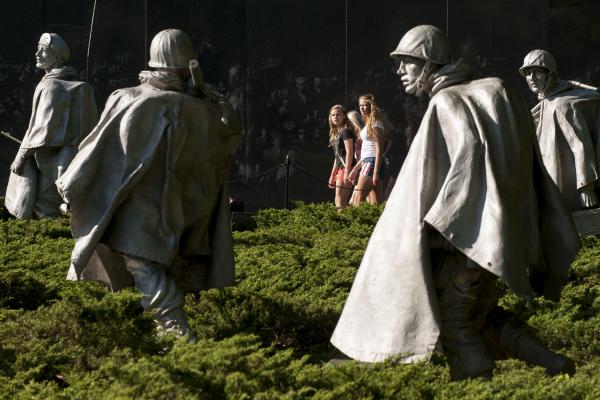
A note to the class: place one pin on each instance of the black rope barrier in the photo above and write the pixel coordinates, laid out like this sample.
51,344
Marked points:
299,168
310,175
258,175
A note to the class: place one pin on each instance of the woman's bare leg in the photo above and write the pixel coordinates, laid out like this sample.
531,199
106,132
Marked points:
376,195
342,193
362,189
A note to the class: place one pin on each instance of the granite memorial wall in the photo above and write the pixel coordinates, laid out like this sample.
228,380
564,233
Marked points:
284,63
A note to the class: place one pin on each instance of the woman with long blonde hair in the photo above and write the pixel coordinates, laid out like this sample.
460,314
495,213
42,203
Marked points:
341,140
371,157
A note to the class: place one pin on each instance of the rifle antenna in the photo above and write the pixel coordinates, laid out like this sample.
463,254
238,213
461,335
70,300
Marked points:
87,58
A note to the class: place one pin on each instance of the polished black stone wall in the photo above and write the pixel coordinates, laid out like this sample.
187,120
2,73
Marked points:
284,63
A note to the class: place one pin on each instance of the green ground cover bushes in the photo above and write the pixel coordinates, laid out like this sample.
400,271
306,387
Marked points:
266,338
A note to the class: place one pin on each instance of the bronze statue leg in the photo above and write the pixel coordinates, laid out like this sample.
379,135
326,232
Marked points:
463,307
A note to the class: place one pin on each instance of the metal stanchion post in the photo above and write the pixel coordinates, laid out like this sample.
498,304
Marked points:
287,181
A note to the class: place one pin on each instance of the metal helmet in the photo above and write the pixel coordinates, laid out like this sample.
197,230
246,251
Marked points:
425,42
57,44
539,58
171,48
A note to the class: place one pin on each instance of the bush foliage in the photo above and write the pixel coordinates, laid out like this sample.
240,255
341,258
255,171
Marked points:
265,338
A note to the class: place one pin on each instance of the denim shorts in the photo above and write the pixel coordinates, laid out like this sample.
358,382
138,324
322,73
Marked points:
368,167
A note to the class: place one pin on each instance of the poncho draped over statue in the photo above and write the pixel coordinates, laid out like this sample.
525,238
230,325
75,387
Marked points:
63,112
473,175
568,131
150,181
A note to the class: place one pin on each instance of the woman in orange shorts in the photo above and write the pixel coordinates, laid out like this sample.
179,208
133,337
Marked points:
341,140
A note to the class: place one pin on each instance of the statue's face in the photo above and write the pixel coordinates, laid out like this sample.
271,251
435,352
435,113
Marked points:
45,58
537,78
410,70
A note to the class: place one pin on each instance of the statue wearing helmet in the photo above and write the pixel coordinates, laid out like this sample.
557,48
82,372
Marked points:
567,119
430,46
171,49
148,188
539,69
471,213
64,111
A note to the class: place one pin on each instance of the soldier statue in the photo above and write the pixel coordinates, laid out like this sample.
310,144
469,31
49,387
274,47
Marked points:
567,119
63,112
148,187
476,205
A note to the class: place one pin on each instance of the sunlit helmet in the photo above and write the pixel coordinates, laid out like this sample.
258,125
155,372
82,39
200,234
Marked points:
56,44
171,48
425,42
539,58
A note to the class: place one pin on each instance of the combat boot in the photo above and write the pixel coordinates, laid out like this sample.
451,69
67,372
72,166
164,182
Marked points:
174,322
522,343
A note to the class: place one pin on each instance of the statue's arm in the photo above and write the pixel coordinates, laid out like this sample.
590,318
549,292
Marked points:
576,131
50,119
21,158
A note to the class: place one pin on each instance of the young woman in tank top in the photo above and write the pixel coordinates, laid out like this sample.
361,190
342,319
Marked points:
371,154
341,140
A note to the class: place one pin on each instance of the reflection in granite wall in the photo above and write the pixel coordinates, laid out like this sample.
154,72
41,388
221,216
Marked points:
284,63
575,39
296,69
372,70
495,36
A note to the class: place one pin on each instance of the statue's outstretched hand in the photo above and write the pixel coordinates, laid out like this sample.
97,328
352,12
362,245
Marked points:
19,162
587,196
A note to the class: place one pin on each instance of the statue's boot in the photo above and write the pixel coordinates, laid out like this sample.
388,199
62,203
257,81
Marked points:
175,322
160,294
521,343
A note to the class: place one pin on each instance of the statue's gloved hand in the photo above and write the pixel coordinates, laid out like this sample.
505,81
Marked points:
587,196
65,208
19,162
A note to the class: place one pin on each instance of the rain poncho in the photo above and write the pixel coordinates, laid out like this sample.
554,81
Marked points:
568,130
150,181
63,112
472,174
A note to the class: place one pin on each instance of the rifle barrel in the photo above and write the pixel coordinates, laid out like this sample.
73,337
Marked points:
8,135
